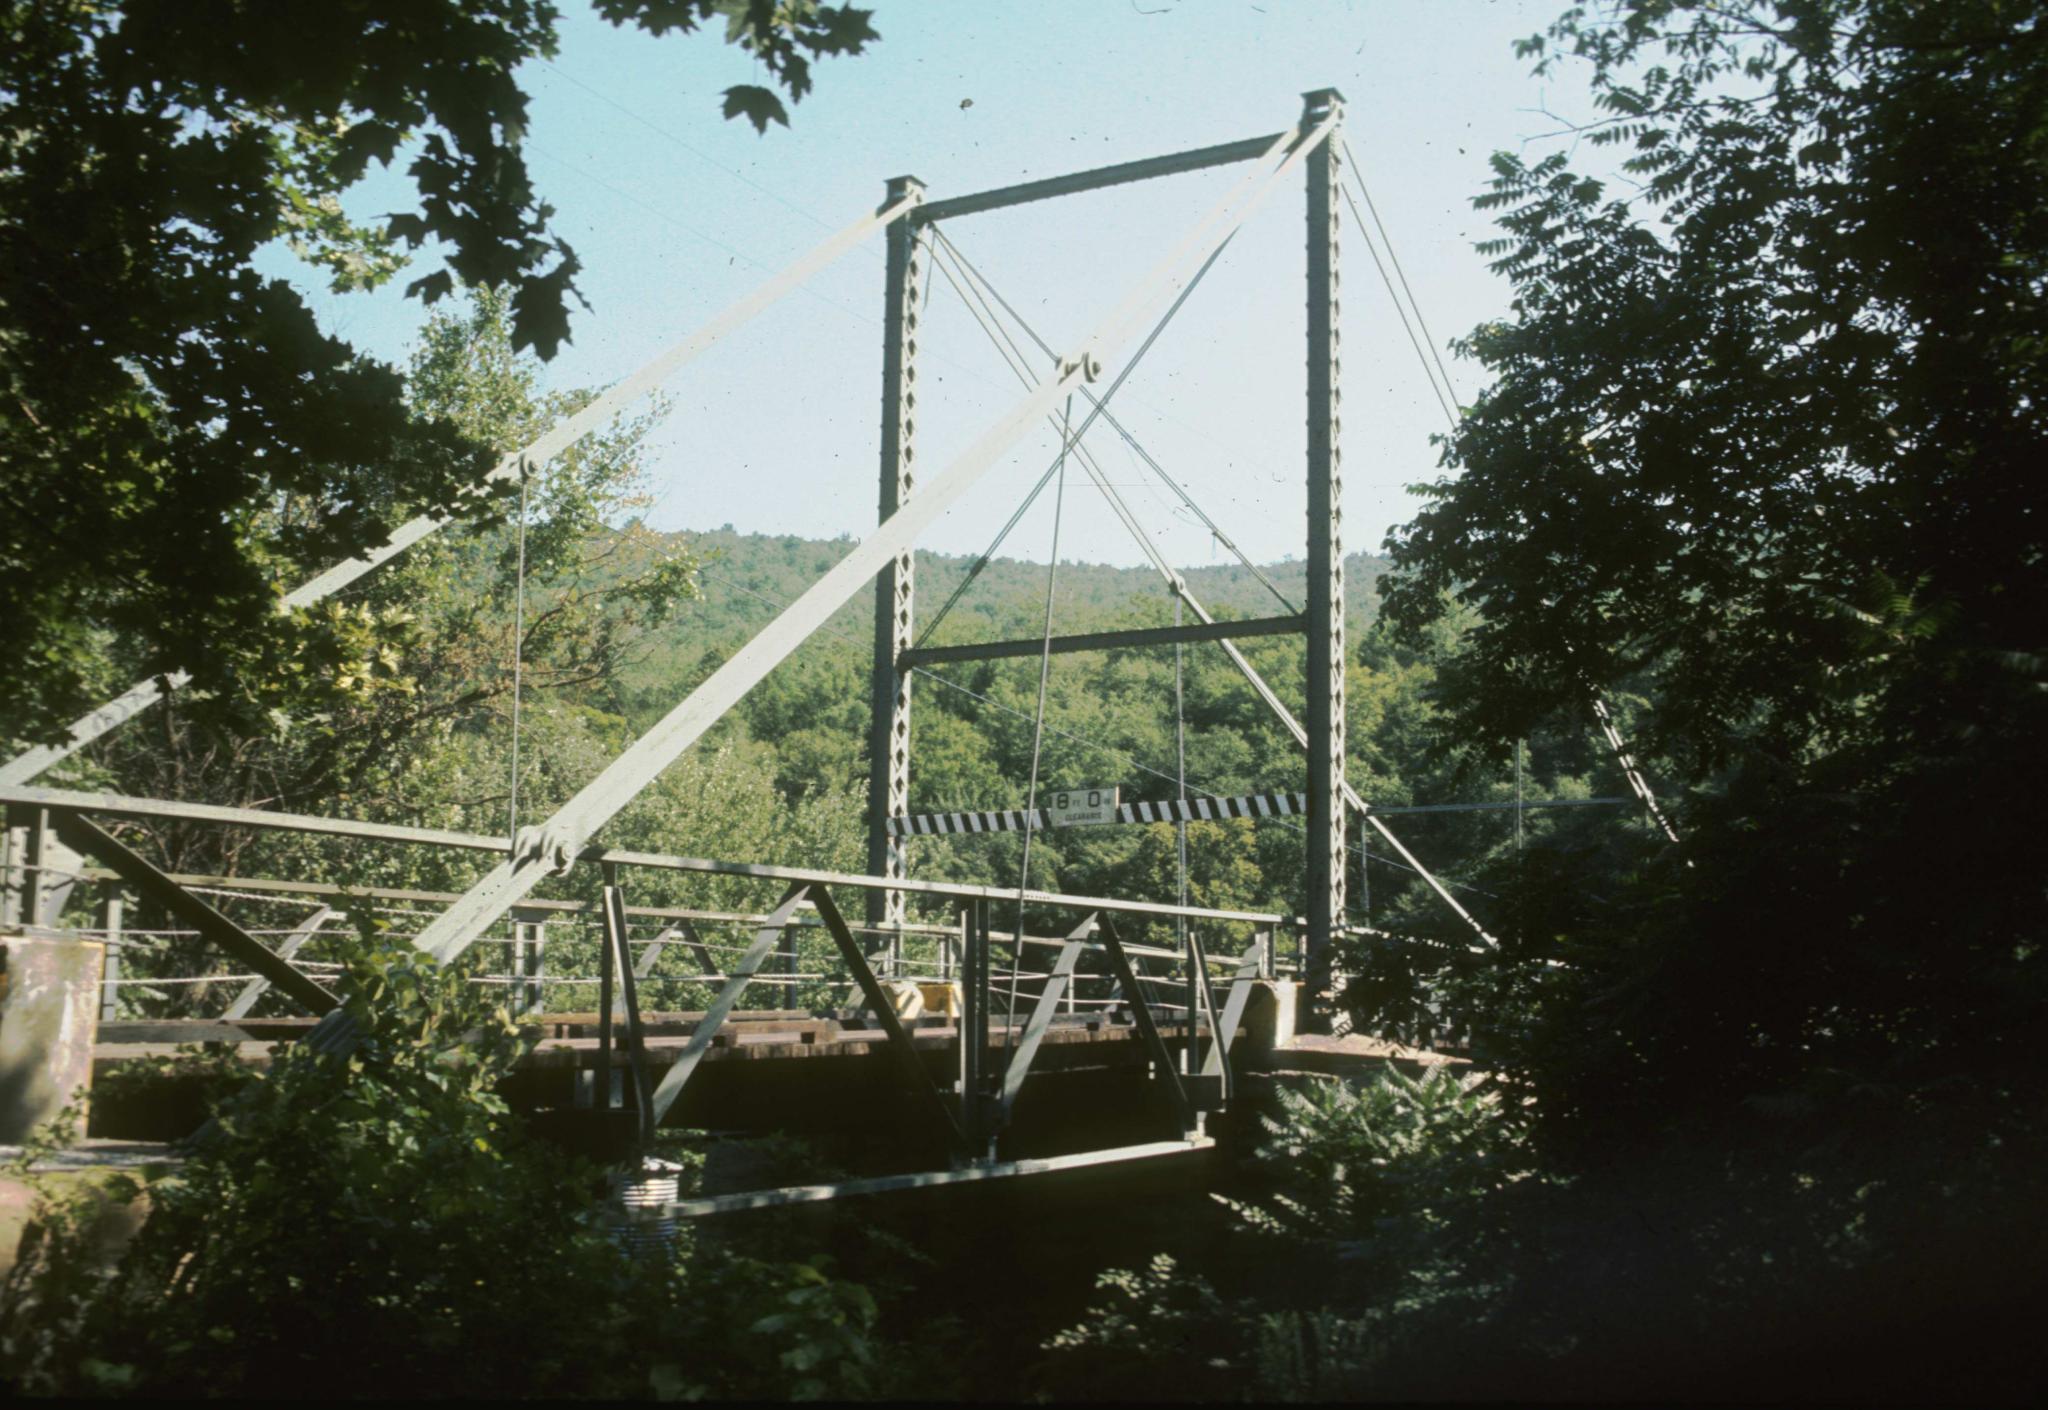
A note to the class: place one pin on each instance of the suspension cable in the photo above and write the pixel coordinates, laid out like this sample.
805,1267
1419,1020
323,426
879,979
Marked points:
1006,347
1443,403
982,281
1097,409
1357,174
1630,770
1052,577
1117,504
1180,767
1258,683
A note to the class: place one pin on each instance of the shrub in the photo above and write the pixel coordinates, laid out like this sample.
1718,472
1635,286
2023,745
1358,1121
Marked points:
378,1224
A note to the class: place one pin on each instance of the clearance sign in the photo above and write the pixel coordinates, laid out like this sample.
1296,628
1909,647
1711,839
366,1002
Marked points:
1082,807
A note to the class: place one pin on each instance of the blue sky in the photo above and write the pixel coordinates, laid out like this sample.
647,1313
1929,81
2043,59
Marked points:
676,213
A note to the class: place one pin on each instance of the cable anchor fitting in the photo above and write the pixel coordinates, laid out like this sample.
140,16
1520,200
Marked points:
552,845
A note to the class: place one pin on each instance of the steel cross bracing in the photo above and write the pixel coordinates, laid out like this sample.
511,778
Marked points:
969,1119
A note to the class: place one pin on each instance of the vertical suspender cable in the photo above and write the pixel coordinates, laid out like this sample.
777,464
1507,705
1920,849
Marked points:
1521,896
518,659
1518,800
1197,981
1038,722
1180,768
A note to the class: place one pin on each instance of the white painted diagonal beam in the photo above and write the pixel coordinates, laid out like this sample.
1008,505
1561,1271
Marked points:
565,433
600,800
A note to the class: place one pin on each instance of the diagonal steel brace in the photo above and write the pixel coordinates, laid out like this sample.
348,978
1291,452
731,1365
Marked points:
1056,985
296,941
765,941
1141,1012
900,1044
217,929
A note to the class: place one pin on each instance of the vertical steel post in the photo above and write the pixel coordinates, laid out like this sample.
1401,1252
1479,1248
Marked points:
28,849
515,968
528,966
791,961
973,1029
540,967
889,719
111,909
607,994
1326,657
10,852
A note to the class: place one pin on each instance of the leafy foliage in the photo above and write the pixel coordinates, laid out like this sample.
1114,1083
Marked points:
1753,458
1162,1327
379,1220
1377,1205
1761,383
180,438
1756,450
1355,1160
439,623
1754,467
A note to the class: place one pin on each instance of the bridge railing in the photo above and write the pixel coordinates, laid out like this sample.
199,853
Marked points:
544,952
546,960
264,944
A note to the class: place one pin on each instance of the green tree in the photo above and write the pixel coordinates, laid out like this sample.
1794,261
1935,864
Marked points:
1766,392
159,398
1760,444
438,673
1759,451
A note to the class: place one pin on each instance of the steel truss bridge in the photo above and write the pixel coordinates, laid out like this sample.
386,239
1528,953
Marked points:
1178,1005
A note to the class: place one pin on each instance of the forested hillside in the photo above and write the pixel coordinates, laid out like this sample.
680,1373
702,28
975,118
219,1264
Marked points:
1110,718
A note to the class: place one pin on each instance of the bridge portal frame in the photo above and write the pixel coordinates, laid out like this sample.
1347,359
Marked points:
895,655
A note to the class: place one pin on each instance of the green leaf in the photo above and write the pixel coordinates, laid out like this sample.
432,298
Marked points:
757,105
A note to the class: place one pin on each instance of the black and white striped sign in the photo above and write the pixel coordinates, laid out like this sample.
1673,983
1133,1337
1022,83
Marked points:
1259,805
